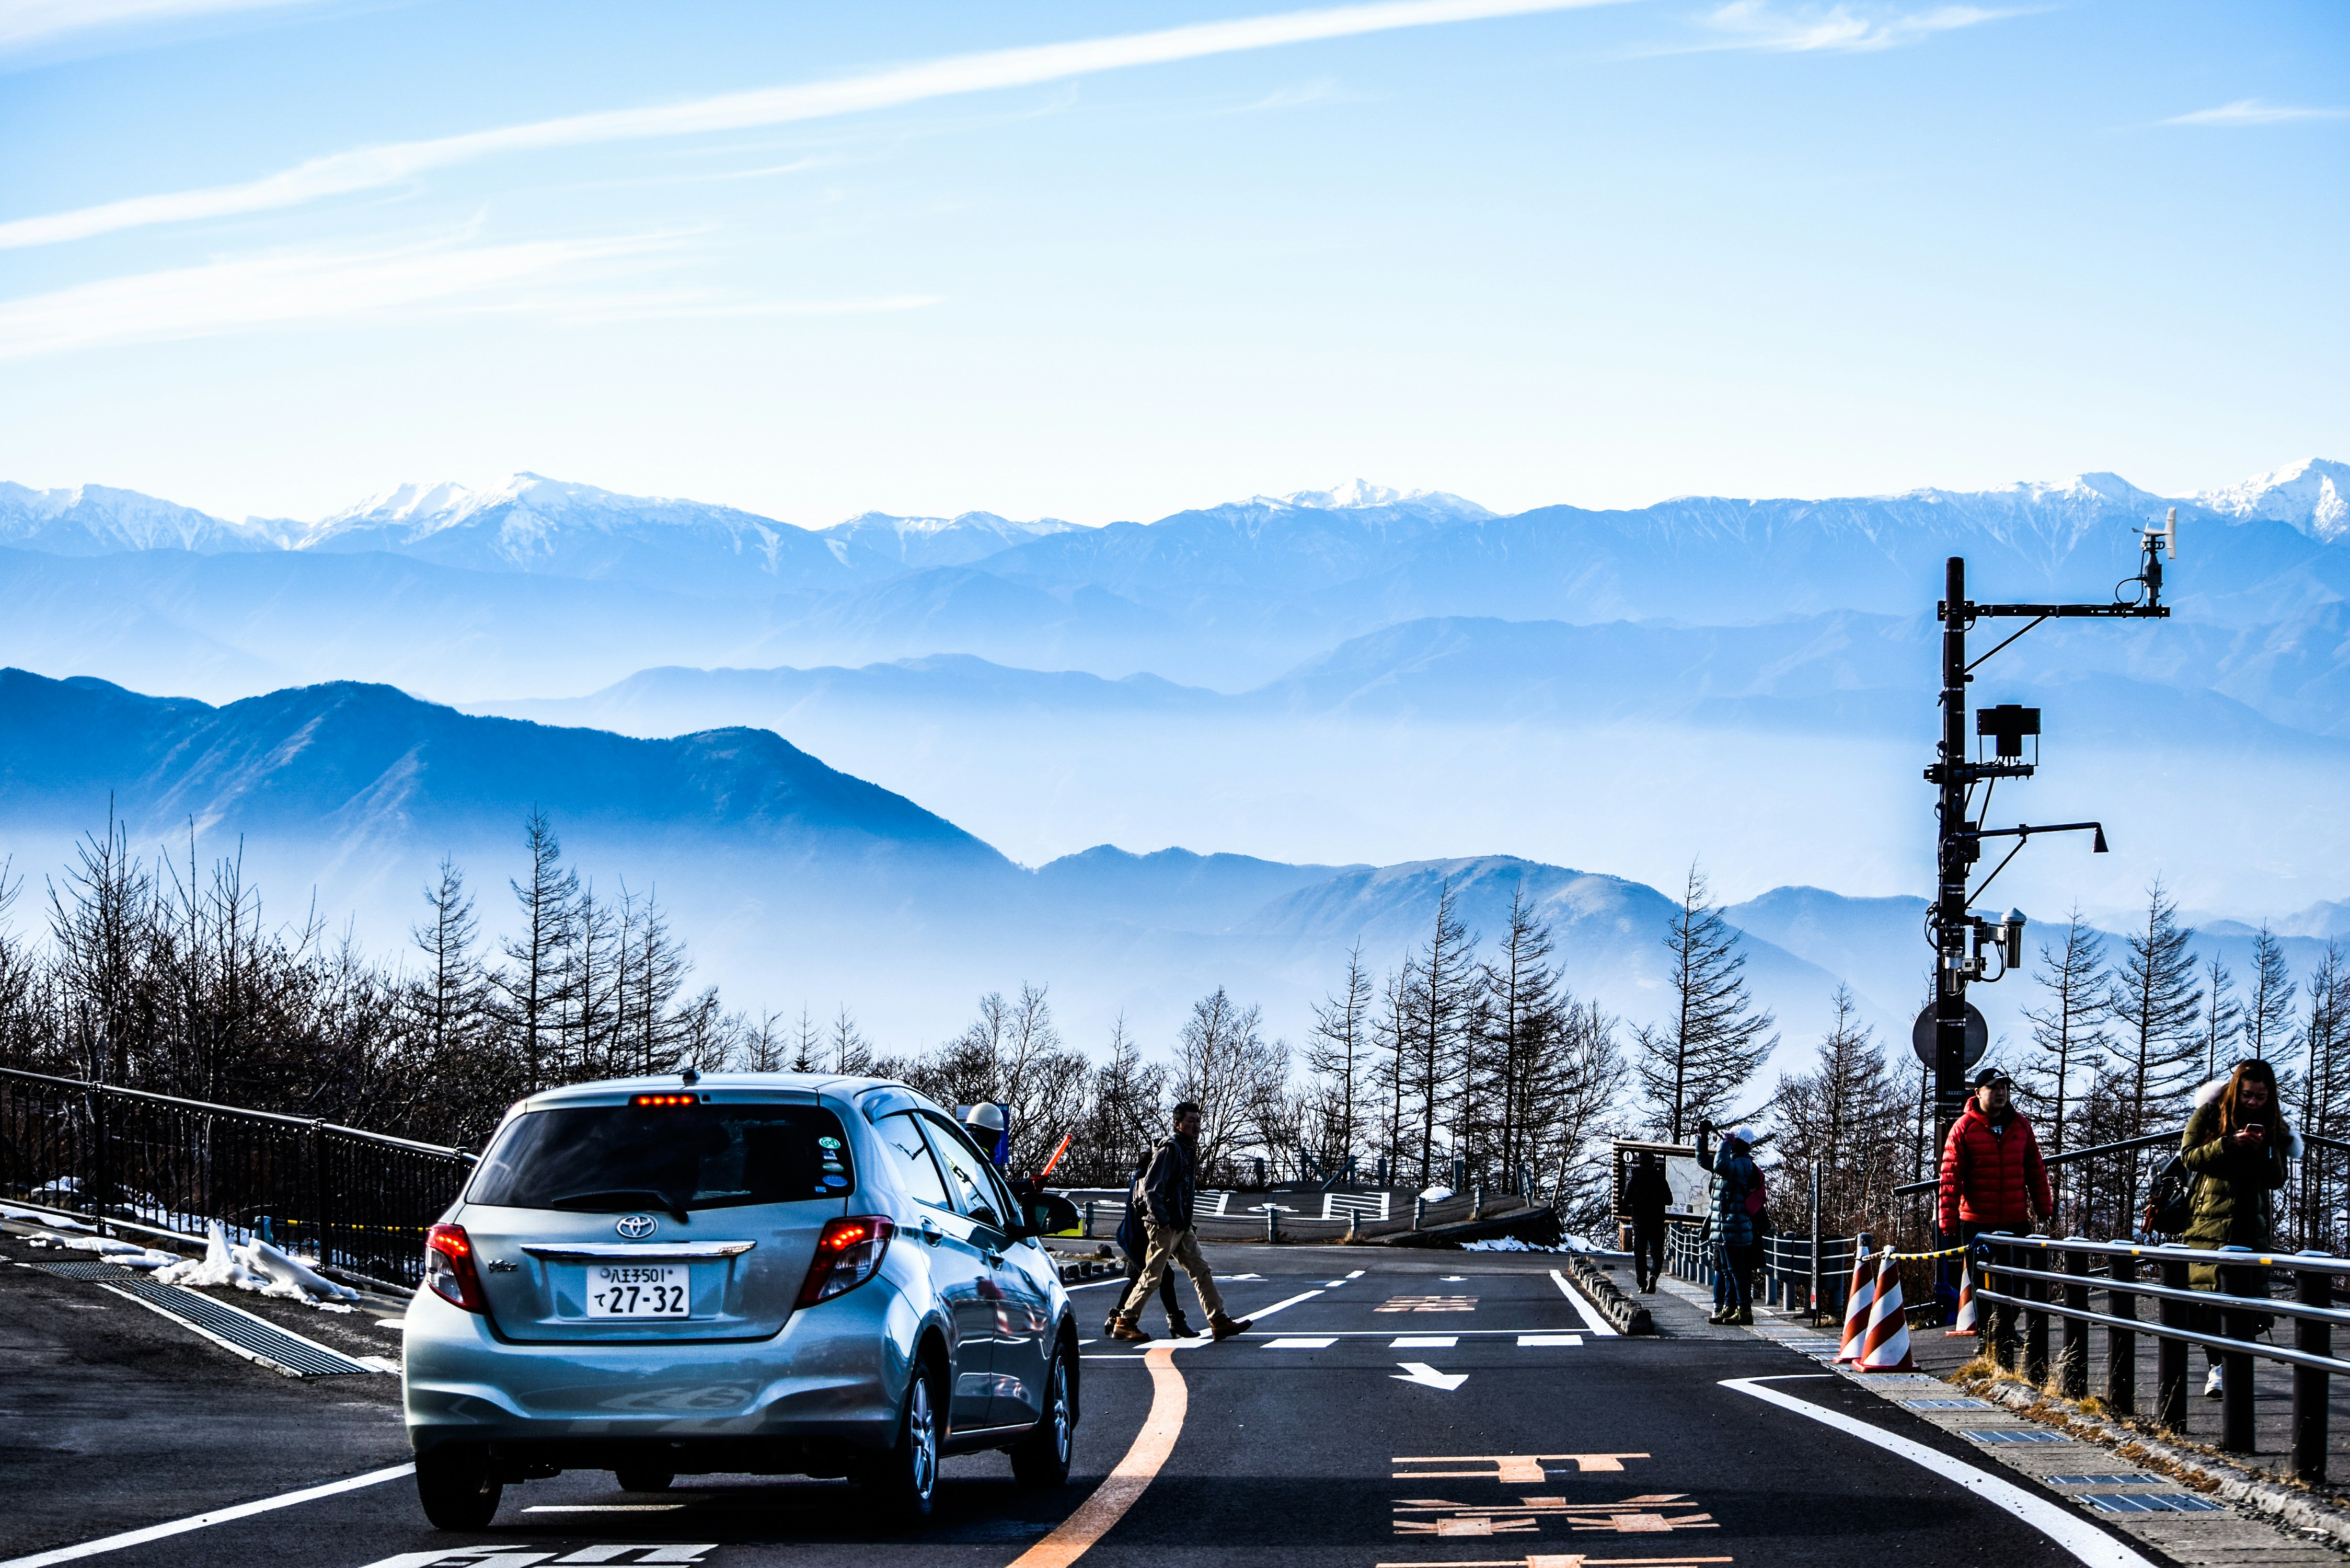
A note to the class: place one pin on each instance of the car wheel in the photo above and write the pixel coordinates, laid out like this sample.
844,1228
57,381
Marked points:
904,1482
643,1480
457,1486
1042,1458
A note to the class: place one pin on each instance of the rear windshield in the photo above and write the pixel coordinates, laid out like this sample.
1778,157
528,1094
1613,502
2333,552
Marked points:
606,1158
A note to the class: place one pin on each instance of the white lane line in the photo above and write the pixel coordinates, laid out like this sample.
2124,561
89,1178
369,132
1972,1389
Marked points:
1591,1318
1356,1274
604,1507
2076,1536
1549,1339
1424,1342
218,1516
1098,1284
1299,1343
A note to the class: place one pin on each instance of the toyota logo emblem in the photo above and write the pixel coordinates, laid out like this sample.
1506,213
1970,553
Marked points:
635,1226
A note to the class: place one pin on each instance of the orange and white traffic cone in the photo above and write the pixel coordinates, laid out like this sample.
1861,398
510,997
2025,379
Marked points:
1887,1347
1966,1322
1856,1300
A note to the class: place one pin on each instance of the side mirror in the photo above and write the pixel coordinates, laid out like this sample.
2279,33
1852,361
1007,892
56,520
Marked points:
1043,1213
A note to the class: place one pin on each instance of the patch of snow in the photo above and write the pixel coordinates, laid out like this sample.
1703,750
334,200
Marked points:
54,1221
255,1266
1436,1194
130,1255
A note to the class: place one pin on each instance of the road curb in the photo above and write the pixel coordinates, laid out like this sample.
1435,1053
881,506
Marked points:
2205,1470
1628,1315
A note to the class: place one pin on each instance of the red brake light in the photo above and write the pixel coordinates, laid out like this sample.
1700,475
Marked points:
449,1268
848,1254
665,1100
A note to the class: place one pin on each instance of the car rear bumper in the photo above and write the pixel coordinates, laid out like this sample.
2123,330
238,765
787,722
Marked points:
832,1377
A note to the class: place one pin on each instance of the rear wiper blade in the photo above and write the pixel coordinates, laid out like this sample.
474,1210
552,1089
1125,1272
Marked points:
624,1198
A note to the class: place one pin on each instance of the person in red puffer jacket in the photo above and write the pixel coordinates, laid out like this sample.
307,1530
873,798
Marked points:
1992,1177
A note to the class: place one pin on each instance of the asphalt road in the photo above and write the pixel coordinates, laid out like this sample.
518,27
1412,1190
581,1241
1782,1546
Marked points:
1308,1455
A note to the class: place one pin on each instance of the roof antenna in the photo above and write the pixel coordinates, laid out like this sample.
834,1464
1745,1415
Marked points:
691,1077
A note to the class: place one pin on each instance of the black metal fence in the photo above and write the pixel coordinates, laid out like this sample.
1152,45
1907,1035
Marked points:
2046,1278
359,1200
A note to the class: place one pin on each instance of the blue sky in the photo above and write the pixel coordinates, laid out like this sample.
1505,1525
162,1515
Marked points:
809,260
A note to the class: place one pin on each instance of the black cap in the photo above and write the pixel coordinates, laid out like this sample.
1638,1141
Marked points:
1992,1076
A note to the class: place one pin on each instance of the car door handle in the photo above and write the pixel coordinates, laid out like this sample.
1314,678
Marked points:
930,1233
994,1259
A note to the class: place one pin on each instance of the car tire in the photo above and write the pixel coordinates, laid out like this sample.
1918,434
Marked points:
455,1485
1041,1459
903,1482
643,1480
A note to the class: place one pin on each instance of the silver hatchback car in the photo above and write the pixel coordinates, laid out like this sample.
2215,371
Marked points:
773,1273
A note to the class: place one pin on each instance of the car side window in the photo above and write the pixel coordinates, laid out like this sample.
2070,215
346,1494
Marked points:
967,1172
911,1157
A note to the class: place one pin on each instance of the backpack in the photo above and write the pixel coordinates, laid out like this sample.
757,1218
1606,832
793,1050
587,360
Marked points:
2171,1202
1757,1200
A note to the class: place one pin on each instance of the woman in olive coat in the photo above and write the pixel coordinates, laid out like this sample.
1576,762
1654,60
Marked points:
2238,1144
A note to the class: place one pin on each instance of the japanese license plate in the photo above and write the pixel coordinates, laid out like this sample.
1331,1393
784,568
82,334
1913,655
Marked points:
639,1290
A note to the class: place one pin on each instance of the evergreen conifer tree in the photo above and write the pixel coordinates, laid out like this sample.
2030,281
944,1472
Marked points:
1690,1064
2268,1014
2068,1035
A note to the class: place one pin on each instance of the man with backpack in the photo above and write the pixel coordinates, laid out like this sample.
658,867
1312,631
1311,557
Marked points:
1993,1175
1166,1190
1133,1239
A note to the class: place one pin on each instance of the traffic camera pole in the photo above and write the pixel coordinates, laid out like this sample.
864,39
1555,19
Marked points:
1955,858
1963,943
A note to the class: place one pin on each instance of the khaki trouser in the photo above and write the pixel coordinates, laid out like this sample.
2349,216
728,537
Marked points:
1169,1244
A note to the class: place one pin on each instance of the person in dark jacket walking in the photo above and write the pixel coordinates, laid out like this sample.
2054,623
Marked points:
1993,1178
1647,1195
1134,1241
2238,1144
1730,1228
1168,1190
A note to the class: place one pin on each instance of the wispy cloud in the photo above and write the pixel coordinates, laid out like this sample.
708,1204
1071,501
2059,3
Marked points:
25,23
273,289
372,167
2253,112
1837,29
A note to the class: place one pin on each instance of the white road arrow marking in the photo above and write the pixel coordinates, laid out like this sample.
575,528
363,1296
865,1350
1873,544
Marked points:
1428,1376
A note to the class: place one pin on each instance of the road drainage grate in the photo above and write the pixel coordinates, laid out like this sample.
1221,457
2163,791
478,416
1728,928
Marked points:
2149,1503
255,1338
1946,1403
2114,1479
2016,1435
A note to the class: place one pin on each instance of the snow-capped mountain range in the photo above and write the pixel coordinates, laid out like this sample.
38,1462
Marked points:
519,525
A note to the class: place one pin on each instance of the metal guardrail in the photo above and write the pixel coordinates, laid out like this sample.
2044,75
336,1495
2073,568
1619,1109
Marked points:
1789,1280
361,1201
2242,1307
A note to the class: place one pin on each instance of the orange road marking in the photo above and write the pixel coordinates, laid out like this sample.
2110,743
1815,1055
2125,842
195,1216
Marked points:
1518,1468
1124,1486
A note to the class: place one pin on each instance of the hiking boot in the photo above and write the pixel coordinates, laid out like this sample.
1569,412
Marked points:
1179,1327
1109,1325
1222,1327
1719,1314
1742,1318
1126,1329
2211,1389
